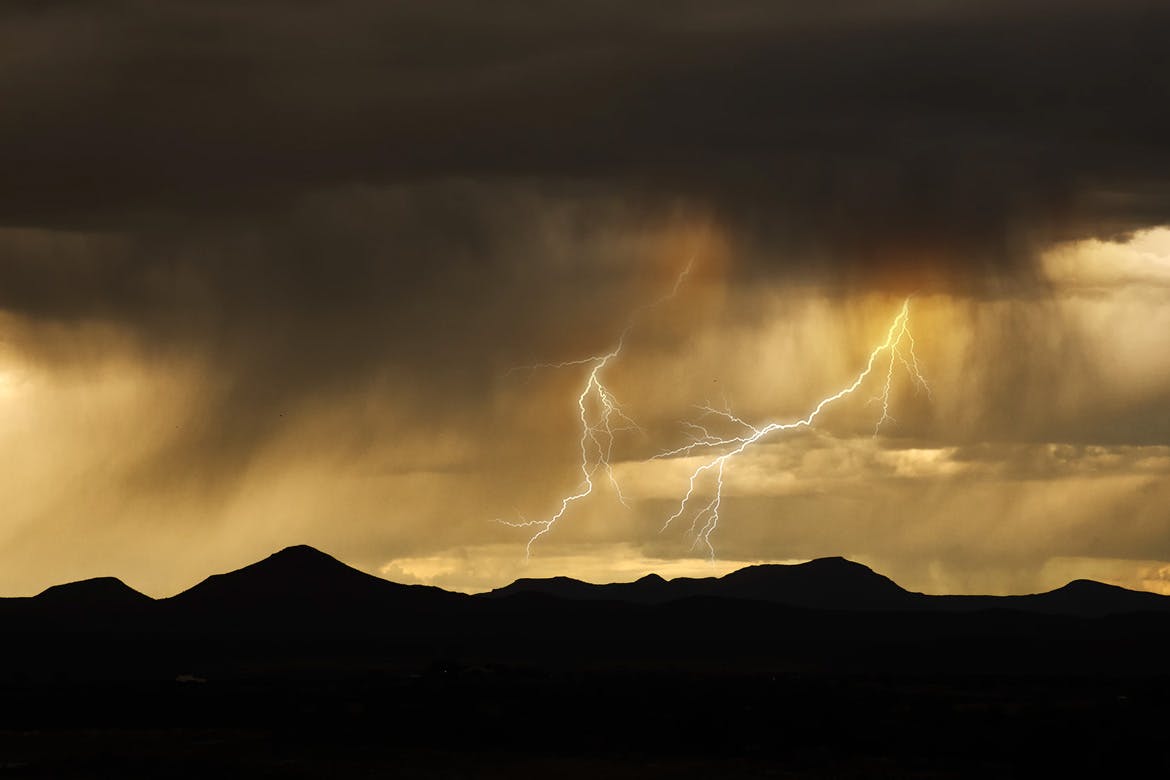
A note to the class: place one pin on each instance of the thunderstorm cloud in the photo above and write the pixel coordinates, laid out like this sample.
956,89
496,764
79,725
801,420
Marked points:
265,268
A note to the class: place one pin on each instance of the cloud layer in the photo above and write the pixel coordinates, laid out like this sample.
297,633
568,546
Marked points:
263,264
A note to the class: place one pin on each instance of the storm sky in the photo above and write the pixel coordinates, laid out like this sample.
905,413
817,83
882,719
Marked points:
267,268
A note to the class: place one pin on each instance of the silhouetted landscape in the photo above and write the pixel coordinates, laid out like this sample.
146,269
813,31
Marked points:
300,666
470,292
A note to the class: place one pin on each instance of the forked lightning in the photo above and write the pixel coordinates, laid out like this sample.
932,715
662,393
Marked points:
898,347
601,418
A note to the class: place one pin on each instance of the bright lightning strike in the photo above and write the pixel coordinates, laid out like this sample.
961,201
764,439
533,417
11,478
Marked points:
898,348
602,418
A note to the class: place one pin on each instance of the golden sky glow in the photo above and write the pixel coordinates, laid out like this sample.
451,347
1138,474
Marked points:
265,277
1036,459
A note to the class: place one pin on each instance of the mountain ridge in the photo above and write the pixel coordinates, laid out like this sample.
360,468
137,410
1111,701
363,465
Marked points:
301,581
298,584
836,583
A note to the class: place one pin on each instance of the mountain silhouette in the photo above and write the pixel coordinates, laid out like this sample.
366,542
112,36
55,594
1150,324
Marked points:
303,587
339,662
95,593
1088,598
825,583
85,604
301,584
839,584
301,609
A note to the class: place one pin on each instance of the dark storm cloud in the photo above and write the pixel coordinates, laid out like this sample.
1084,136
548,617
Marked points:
917,125
429,291
311,192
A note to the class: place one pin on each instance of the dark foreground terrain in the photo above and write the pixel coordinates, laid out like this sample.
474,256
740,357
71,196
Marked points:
301,667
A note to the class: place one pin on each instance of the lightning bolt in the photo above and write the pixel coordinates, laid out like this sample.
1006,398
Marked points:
898,348
602,418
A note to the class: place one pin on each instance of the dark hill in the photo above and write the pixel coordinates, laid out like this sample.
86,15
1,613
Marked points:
100,602
301,585
840,584
560,587
299,611
95,593
1091,599
303,588
826,583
